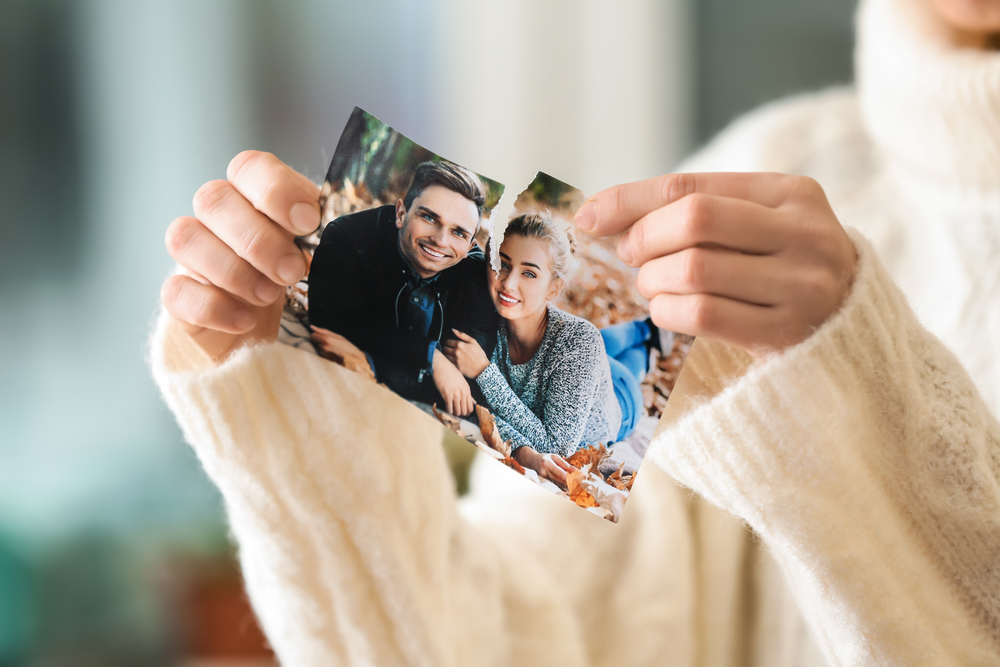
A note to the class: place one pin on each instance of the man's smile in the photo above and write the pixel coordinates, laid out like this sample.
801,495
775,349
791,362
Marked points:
432,252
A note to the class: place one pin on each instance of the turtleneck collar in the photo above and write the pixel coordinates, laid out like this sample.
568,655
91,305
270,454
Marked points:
931,104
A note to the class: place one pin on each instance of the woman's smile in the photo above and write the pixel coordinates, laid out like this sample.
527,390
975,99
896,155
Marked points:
505,299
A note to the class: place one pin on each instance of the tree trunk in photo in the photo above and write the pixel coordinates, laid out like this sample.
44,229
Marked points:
347,148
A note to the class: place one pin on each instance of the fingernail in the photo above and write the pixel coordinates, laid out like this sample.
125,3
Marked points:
586,217
624,251
243,319
290,268
266,290
304,217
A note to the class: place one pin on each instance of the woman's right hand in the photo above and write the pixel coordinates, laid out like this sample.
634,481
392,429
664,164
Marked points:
466,353
238,253
548,466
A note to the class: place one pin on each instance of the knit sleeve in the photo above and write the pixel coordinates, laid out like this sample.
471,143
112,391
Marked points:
354,549
570,392
868,463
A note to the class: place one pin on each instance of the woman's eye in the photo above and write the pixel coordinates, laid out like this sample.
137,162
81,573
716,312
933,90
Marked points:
528,274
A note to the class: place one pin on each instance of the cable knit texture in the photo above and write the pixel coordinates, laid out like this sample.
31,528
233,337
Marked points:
846,505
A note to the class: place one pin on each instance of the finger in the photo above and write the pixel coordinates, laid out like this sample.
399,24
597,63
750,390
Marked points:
615,209
321,343
326,333
207,306
752,279
276,190
467,338
557,474
753,328
268,248
451,345
706,220
194,247
563,463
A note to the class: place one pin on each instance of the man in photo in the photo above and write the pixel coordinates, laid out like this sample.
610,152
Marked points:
395,281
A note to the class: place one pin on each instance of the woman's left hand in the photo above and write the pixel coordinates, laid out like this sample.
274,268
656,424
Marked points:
756,260
548,466
466,354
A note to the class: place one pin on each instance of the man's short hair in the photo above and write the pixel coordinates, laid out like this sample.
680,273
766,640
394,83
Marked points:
455,178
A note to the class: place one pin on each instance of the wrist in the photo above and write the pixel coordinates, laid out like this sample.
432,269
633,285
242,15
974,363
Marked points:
526,456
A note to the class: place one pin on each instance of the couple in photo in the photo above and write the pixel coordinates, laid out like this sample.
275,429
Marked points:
405,295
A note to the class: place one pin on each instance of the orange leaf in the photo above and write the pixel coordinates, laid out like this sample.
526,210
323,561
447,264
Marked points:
574,487
585,455
491,434
512,463
448,420
631,481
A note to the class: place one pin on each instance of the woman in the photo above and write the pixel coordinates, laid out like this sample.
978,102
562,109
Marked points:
548,382
827,415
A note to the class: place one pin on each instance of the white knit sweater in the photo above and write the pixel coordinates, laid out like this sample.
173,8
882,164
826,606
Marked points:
865,460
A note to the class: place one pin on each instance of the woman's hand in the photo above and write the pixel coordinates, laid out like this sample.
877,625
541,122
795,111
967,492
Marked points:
548,466
337,348
238,253
756,260
466,354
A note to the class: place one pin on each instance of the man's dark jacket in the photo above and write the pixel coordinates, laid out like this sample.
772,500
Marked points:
356,283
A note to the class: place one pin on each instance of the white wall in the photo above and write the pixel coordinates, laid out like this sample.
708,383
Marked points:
591,92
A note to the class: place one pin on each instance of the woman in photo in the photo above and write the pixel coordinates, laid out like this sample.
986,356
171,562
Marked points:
549,382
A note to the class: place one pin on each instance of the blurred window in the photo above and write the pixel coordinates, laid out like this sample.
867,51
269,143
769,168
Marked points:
40,185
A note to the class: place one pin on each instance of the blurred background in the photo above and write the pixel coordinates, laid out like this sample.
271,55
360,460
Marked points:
113,544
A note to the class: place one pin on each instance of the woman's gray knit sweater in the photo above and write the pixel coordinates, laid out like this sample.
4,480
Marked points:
562,397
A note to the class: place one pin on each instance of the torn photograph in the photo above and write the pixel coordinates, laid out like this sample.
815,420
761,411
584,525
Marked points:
526,337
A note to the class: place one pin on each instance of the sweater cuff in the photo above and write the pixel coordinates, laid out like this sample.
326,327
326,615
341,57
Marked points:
751,436
488,380
173,351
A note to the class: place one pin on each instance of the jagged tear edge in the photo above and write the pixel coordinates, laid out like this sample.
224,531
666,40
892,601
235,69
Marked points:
503,212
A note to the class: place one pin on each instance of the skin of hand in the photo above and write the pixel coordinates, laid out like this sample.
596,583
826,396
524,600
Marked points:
466,354
548,466
337,348
238,254
756,260
453,387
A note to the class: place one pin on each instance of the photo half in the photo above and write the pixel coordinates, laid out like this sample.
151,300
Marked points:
527,338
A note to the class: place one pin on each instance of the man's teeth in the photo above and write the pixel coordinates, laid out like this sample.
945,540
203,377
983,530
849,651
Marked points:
432,253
